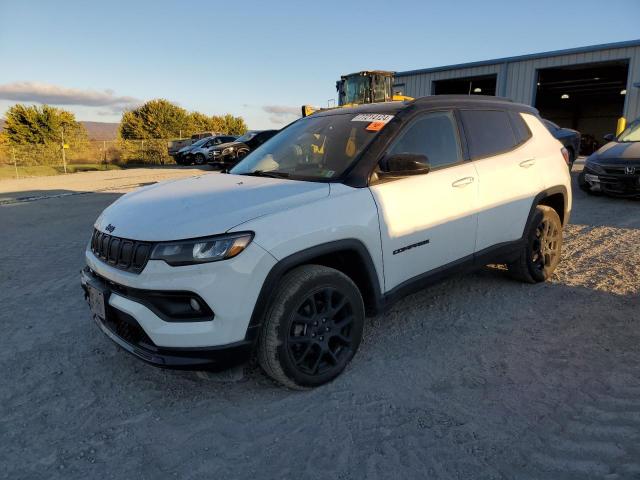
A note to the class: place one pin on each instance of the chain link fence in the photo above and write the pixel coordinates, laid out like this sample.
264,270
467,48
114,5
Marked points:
91,155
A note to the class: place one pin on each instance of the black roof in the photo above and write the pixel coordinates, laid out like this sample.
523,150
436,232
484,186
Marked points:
433,101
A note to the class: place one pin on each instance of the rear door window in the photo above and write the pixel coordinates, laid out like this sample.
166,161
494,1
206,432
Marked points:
488,132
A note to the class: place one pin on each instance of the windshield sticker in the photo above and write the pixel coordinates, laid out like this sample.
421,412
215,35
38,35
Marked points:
372,117
375,126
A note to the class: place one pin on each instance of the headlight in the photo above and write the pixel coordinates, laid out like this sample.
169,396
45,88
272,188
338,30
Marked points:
202,250
594,167
227,151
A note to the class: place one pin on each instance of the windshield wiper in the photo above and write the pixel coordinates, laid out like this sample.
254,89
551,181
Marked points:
270,174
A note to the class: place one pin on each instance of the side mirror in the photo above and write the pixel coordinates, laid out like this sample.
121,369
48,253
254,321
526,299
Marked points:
609,137
402,164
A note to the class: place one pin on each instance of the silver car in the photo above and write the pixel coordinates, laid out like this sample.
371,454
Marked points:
199,151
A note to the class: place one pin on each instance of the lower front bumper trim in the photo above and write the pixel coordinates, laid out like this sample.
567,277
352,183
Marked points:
197,358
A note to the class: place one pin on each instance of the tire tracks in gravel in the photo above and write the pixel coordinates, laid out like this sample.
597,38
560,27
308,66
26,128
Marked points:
597,437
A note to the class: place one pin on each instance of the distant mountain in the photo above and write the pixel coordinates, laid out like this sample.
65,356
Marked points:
95,130
101,130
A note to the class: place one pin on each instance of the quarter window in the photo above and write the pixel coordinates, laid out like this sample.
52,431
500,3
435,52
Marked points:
488,132
433,135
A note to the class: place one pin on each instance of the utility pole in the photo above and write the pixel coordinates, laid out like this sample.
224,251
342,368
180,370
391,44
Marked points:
64,158
104,153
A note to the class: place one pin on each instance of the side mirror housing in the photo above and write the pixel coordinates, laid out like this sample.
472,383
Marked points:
609,137
402,164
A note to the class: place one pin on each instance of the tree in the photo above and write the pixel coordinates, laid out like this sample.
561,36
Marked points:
199,122
232,125
42,125
155,119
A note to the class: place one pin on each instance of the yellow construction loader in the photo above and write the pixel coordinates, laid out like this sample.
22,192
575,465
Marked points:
368,86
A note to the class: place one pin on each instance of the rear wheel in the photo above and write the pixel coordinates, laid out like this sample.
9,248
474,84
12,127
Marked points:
313,327
541,253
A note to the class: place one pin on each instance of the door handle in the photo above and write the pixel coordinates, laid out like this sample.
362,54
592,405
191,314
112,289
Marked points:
463,182
528,163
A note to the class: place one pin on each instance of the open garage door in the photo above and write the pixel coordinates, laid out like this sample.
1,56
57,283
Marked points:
481,85
588,98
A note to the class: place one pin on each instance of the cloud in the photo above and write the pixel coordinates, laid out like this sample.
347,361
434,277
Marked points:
281,113
56,95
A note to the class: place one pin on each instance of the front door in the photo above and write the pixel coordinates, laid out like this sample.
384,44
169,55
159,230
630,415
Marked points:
427,221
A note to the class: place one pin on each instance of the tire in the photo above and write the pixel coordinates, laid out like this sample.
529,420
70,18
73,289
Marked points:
199,159
313,327
541,254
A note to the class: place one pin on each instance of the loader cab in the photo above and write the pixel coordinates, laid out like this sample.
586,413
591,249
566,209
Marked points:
365,87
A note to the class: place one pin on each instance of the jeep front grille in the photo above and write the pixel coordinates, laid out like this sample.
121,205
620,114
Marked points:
121,253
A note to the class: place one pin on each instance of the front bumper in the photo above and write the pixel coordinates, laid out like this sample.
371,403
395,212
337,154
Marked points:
229,288
613,184
126,332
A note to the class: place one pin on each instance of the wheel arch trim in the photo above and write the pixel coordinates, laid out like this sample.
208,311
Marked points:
303,257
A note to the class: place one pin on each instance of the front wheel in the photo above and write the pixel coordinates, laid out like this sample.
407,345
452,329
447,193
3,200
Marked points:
199,159
543,243
312,329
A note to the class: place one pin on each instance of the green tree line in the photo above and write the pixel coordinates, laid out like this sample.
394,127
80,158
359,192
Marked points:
156,119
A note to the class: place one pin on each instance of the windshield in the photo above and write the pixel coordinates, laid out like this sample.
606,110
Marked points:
200,142
246,137
320,147
356,90
631,133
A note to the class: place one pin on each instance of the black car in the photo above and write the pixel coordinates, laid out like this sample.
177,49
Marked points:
567,137
615,167
228,154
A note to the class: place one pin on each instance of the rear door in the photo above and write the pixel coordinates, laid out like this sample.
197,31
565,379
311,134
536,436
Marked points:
427,221
499,143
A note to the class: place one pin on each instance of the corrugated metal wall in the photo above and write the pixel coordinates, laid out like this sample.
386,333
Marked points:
517,79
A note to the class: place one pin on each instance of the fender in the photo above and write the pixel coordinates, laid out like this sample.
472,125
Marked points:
546,193
302,257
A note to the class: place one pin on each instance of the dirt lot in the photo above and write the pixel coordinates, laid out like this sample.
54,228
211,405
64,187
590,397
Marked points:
478,377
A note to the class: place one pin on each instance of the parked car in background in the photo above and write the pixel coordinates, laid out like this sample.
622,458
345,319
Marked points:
339,215
181,155
615,167
228,154
174,146
568,137
199,152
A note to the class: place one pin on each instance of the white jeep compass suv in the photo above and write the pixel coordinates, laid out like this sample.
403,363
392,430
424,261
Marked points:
332,219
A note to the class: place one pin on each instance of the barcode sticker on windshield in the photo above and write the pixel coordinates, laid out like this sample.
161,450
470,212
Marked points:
372,117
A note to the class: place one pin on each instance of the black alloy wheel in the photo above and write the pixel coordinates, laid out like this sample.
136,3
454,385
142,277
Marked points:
321,336
546,245
312,328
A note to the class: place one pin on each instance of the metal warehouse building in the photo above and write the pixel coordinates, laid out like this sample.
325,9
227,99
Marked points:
585,88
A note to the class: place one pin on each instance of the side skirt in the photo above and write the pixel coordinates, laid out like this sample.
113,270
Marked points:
501,253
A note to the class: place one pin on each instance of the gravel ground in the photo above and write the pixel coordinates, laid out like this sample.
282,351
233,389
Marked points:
478,377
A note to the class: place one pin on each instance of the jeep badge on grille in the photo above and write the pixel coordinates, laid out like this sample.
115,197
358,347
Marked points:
110,228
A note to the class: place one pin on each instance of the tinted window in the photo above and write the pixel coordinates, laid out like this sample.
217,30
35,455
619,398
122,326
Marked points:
434,135
520,128
488,132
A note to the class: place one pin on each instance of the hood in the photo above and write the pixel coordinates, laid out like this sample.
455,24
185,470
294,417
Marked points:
205,205
618,153
222,146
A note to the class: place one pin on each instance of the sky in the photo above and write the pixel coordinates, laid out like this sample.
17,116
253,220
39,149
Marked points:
262,60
